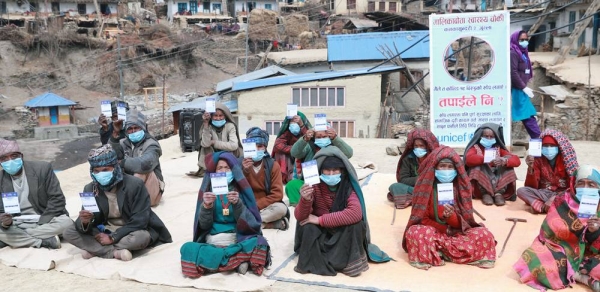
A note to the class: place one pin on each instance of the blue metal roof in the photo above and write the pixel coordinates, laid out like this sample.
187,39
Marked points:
298,78
258,74
200,103
48,99
365,46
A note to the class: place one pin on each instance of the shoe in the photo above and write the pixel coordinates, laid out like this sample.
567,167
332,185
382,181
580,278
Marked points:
285,224
297,270
533,211
122,254
2,244
86,255
390,197
199,173
51,243
499,200
242,268
487,200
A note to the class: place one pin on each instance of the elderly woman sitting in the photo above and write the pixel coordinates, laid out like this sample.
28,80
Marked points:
332,235
493,181
567,248
437,232
227,228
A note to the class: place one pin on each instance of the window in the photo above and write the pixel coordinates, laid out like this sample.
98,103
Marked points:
319,96
206,7
193,7
217,8
382,6
371,6
181,8
251,6
55,6
268,7
405,83
33,7
392,7
350,4
104,9
572,16
272,127
81,9
3,7
344,129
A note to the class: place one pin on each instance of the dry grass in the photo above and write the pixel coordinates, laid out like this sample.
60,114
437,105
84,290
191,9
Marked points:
295,24
263,25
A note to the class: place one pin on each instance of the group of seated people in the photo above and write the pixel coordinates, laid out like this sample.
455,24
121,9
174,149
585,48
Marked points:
332,232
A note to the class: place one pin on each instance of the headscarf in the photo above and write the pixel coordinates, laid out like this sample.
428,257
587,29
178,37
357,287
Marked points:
424,189
229,119
514,45
566,160
589,172
431,143
286,124
344,187
105,155
135,117
375,254
498,132
8,147
259,134
249,223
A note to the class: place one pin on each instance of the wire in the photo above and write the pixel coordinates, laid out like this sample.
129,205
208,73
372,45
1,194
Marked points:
557,28
532,6
549,12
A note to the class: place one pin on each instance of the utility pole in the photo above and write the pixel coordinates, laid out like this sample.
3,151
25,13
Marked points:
163,104
120,67
247,37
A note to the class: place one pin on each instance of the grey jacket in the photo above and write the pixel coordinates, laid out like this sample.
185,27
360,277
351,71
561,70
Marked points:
45,194
140,158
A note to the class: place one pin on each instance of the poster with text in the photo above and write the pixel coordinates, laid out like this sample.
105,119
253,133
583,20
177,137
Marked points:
470,74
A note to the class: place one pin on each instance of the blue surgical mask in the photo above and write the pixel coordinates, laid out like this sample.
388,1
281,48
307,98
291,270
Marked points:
420,152
487,143
229,176
445,175
550,152
332,179
104,178
219,124
136,137
260,154
12,166
524,44
579,192
322,142
294,129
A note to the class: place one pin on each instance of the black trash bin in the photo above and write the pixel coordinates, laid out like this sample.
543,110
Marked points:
190,121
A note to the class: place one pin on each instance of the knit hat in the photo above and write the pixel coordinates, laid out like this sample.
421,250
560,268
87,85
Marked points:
8,146
259,134
105,155
135,117
589,172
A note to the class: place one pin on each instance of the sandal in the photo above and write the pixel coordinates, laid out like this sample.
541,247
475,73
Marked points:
487,200
499,200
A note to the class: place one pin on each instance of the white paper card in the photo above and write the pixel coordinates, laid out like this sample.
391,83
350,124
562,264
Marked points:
105,108
535,147
211,105
490,154
27,218
218,181
11,203
88,201
445,194
588,206
310,172
249,146
320,122
292,110
122,111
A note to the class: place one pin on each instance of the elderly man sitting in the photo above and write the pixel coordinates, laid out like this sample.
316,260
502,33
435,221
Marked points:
264,176
40,215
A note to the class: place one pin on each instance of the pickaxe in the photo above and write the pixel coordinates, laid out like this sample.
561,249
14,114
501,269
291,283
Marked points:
514,220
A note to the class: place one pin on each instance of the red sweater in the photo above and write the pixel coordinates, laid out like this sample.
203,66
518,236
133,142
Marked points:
284,143
321,204
429,220
543,176
476,154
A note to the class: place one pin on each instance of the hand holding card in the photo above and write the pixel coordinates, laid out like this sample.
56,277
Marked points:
310,172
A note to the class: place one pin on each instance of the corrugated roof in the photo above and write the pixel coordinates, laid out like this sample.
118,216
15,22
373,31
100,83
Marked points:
298,57
48,99
364,46
282,80
258,74
200,103
361,23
